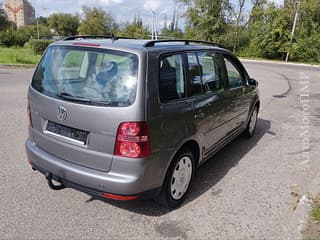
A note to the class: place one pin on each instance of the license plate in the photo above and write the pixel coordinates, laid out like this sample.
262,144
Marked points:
67,132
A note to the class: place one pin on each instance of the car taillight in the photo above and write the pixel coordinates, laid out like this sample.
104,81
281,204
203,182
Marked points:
29,114
133,140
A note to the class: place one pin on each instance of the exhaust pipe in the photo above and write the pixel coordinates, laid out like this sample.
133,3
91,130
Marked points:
51,185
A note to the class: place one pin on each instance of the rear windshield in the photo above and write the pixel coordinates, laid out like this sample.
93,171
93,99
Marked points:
86,75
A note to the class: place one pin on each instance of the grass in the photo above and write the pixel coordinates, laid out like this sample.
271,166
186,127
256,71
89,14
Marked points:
312,231
316,211
18,55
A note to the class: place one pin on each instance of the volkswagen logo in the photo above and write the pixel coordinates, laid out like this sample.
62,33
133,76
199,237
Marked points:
62,113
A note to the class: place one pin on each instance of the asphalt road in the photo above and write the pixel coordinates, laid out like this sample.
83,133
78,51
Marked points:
257,188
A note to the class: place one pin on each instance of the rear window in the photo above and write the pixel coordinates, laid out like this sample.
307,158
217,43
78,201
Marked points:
86,75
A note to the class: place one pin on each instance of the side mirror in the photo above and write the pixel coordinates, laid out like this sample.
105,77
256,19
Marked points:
253,82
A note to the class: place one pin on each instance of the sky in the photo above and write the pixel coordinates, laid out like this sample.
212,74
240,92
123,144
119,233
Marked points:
121,10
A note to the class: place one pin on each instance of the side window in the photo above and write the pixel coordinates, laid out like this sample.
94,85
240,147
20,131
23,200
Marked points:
204,72
171,82
209,63
234,75
195,71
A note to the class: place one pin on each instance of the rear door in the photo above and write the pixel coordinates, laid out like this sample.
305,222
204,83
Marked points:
170,113
206,87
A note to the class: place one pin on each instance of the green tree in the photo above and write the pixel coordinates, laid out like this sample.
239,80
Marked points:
96,21
172,34
64,24
31,31
4,21
270,26
237,20
133,30
255,28
43,21
206,20
269,30
306,43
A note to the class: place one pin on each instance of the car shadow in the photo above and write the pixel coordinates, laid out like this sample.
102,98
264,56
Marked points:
207,175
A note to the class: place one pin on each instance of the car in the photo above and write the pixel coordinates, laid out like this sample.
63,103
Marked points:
129,119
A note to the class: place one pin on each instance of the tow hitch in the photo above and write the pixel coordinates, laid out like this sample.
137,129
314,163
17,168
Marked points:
50,183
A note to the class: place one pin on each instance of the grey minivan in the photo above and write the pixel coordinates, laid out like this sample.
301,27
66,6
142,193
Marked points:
127,119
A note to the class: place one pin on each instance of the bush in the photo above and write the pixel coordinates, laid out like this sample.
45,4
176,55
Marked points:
39,45
10,39
306,49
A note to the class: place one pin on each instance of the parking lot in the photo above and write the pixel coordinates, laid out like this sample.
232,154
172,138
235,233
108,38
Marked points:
256,188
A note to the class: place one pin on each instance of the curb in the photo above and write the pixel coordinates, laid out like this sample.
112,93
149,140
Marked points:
280,63
20,66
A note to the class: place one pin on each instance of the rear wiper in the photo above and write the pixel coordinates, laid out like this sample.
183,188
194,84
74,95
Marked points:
70,97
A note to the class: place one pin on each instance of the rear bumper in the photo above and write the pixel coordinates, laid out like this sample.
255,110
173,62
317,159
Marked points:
89,180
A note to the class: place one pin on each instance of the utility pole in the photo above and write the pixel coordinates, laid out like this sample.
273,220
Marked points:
293,29
43,9
152,36
177,22
38,33
154,26
172,27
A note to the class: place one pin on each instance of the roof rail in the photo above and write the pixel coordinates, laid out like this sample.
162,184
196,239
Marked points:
80,37
186,42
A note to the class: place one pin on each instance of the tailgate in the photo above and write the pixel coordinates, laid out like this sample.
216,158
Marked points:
85,137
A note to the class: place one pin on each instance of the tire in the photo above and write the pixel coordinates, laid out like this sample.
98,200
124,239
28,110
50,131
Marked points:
251,127
178,180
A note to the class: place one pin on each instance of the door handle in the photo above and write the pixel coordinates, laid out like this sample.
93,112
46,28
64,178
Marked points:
200,115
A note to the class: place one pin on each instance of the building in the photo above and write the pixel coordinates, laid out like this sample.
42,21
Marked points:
21,12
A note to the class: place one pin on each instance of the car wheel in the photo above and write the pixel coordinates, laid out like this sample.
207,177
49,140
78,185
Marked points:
251,127
178,179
